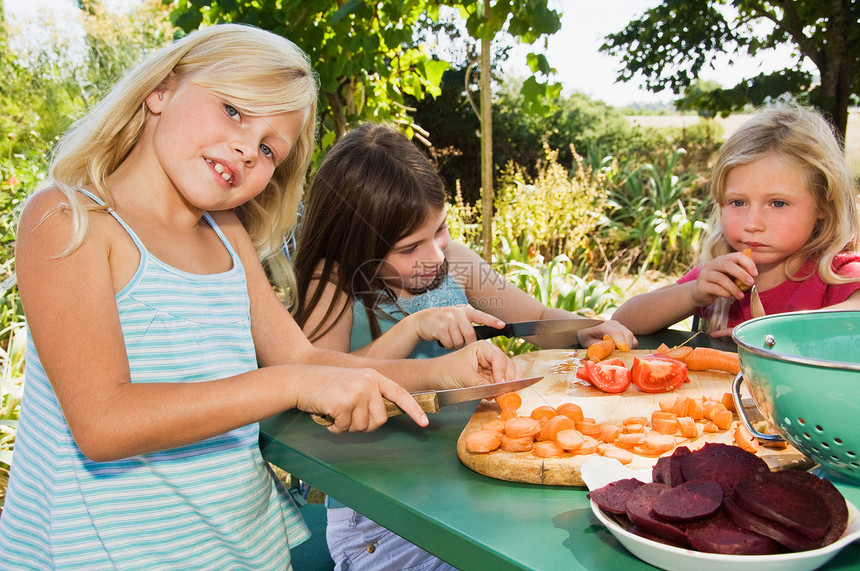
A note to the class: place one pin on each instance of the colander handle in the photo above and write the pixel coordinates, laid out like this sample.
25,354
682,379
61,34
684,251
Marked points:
736,396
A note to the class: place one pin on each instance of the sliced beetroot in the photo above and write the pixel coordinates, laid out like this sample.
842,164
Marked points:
640,511
788,503
757,524
667,470
724,464
613,496
693,500
720,535
832,498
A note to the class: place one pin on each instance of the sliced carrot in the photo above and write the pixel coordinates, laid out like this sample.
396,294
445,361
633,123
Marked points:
723,419
663,415
496,424
680,406
659,442
589,445
687,427
520,426
569,439
543,413
600,350
610,432
665,425
622,346
695,409
712,408
622,456
679,353
630,440
509,413
630,428
710,427
728,402
522,444
589,428
571,410
667,404
704,358
553,426
482,441
509,401
745,440
634,420
547,449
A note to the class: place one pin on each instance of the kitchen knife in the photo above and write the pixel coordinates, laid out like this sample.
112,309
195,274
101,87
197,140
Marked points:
430,401
540,327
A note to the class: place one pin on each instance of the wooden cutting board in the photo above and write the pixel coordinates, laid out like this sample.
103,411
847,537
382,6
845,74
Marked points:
560,385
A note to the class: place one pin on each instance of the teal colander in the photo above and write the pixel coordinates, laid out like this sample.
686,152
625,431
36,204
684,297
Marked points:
803,372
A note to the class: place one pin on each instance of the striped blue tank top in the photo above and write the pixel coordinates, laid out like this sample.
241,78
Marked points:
209,505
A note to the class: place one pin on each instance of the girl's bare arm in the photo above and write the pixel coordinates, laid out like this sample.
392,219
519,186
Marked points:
651,311
72,315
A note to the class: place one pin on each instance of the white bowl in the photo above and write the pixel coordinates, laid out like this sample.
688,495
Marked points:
679,559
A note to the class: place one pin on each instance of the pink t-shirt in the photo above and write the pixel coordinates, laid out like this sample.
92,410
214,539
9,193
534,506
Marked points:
811,293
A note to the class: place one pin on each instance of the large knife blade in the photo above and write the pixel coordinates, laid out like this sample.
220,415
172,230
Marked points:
430,401
540,327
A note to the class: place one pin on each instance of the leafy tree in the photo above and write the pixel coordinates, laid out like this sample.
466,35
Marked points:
370,56
671,43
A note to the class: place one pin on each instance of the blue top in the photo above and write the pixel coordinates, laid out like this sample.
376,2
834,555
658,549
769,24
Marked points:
212,504
448,293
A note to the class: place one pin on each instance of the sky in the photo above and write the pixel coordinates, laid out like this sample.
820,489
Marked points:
573,51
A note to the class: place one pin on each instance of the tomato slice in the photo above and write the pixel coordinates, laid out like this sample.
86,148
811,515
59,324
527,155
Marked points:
658,373
610,376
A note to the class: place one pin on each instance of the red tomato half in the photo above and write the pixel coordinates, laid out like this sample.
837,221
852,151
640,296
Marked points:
658,373
610,376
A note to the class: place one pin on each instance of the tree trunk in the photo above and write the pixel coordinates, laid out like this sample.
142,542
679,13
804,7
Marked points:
487,194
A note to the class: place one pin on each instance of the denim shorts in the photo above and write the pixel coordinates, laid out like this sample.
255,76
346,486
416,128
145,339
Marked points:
357,543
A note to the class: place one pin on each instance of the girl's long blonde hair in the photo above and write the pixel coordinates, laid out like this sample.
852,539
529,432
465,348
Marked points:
260,72
805,140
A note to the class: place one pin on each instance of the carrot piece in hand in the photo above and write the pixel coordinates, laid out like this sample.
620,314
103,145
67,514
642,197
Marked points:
600,350
741,285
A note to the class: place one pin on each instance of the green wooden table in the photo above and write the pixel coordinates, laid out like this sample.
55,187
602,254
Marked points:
410,480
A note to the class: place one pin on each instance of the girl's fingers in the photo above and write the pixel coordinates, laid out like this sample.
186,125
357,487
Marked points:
401,397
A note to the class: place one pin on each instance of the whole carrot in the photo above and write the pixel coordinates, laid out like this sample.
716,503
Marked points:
704,358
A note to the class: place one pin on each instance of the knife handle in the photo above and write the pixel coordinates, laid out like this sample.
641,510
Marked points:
428,402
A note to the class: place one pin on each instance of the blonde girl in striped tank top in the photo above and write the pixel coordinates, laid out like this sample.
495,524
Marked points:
155,340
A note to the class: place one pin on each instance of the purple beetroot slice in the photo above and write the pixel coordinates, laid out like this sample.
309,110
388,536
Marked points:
725,464
832,498
667,470
613,496
691,501
640,511
757,524
718,534
796,507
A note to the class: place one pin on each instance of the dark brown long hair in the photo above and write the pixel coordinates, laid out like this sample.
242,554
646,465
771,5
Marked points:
373,188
